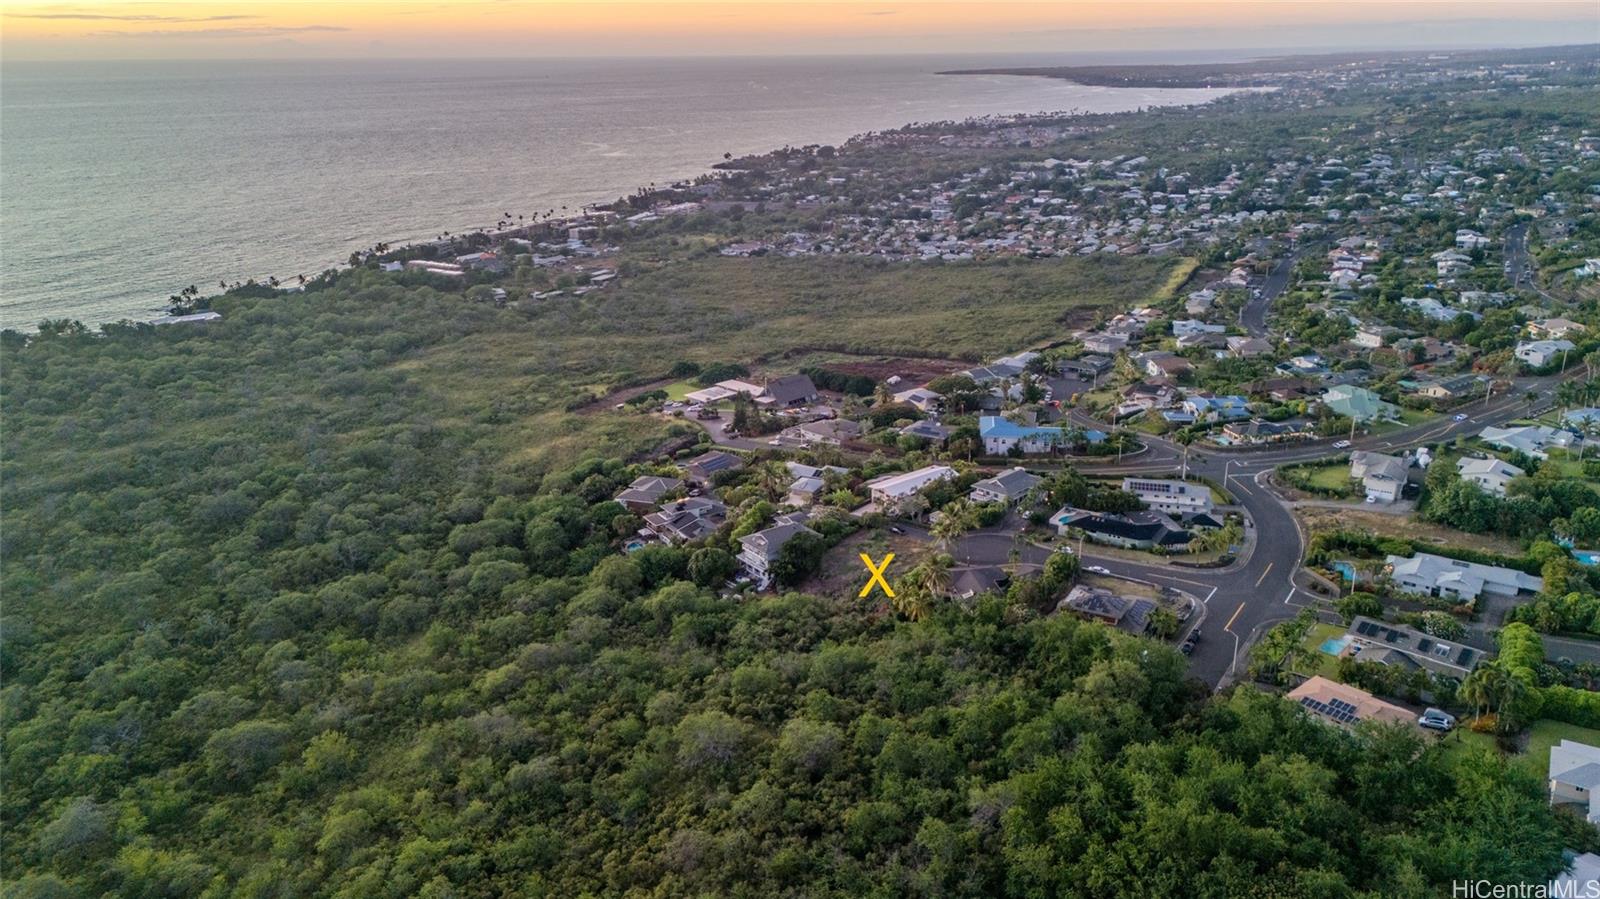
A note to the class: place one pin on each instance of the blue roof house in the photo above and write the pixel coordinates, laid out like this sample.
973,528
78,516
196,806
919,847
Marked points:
1001,434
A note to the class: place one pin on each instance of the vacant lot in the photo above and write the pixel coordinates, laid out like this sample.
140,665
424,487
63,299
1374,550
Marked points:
1404,527
769,314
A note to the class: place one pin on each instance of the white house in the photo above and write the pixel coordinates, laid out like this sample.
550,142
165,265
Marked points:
890,490
1575,777
1172,497
1533,440
1539,353
1465,581
1186,327
1490,474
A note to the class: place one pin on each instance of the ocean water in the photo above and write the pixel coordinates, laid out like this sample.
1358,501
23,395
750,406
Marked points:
122,182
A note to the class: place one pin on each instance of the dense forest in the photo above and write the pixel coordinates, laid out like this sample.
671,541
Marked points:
288,612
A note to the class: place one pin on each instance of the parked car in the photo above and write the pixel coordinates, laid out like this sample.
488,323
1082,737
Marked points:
893,529
1437,719
1063,548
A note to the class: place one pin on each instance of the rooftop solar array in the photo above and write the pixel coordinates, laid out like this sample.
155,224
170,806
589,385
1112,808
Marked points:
1336,709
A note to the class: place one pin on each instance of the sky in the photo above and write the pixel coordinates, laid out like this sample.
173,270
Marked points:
290,29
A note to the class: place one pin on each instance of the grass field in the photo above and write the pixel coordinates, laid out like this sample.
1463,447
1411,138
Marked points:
764,313
1333,477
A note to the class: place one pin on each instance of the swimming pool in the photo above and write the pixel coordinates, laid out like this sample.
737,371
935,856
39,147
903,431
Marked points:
1335,645
1346,569
1586,556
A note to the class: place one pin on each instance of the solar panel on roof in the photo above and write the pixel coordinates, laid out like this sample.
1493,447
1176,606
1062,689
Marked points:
1390,637
1466,653
1424,644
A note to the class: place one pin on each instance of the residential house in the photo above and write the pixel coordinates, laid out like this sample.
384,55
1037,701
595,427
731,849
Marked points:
702,468
1398,645
976,580
1207,341
1246,347
922,398
830,431
1165,365
1433,575
1345,705
1532,440
1105,344
927,430
1575,777
1282,390
1009,487
1258,431
1372,337
889,492
1358,403
1492,475
686,520
1172,497
1216,408
1452,388
1135,530
1190,326
803,492
790,390
1000,435
758,551
1087,366
1127,613
1382,477
1582,418
1539,353
645,492
1554,328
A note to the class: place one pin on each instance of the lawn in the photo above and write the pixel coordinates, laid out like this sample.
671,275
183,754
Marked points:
1535,757
678,390
1316,661
1334,477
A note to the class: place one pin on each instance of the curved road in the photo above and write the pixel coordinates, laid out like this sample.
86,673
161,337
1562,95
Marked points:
1266,585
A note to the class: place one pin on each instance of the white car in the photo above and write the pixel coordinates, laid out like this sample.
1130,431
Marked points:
1099,569
1436,719
1341,444
774,442
1461,417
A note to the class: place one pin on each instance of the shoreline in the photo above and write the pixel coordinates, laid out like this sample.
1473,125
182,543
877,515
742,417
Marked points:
585,212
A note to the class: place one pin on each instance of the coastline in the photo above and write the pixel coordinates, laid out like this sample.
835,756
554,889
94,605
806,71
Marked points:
267,234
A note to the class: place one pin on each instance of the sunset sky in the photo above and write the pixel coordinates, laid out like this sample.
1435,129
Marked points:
293,28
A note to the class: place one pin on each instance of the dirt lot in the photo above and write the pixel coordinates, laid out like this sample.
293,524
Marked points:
843,574
1402,526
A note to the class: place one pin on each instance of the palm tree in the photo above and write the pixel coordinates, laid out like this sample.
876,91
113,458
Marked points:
958,518
1184,438
914,596
1485,688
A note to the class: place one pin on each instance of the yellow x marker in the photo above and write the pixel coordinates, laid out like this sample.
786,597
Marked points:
877,576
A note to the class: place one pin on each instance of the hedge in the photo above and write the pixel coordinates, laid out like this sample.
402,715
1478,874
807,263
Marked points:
1570,705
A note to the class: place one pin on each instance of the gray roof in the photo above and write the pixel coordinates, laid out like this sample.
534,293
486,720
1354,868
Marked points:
791,389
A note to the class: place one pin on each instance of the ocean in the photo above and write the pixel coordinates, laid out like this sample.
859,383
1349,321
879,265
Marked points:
120,183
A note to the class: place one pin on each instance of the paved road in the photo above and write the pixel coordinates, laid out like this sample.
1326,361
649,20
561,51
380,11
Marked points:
1268,585
1253,317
